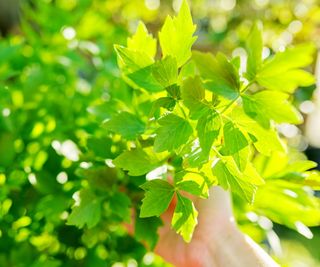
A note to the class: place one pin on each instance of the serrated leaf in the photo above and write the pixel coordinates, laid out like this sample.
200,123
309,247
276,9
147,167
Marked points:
235,145
187,70
174,91
88,212
142,41
234,139
158,196
174,132
292,58
194,156
131,61
144,79
266,140
163,102
227,177
281,72
193,183
300,166
208,129
138,161
266,105
193,96
220,75
254,46
165,71
287,81
287,203
126,124
176,36
184,218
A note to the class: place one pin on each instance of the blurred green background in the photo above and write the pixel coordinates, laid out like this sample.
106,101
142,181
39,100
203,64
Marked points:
59,81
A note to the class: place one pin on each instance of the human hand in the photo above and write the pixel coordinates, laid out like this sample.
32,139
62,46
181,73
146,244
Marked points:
216,241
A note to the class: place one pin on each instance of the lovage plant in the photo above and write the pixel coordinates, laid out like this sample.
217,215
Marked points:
212,123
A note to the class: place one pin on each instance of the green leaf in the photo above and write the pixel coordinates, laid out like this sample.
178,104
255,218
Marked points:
187,70
193,96
234,139
146,230
131,61
174,91
193,183
158,196
176,36
254,49
266,105
266,140
88,212
235,144
126,124
220,75
300,166
138,161
194,156
163,102
120,206
155,77
229,177
165,71
281,72
142,41
287,203
184,218
174,132
144,79
287,81
208,129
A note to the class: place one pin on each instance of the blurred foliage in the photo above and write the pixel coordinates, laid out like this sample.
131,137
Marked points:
59,81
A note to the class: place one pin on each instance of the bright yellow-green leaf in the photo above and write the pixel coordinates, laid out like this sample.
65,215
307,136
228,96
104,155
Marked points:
142,41
208,128
176,36
226,174
254,50
184,218
265,140
165,71
130,60
266,105
282,71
